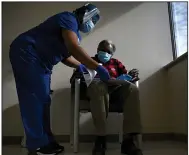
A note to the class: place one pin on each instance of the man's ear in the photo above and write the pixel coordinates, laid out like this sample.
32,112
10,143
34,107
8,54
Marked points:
97,50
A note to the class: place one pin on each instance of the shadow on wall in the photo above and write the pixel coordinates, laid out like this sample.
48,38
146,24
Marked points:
11,121
60,110
7,73
60,113
153,98
60,116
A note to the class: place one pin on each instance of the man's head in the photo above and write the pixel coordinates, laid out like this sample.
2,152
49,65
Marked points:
88,16
105,50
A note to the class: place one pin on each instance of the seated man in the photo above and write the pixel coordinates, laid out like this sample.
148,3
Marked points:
99,94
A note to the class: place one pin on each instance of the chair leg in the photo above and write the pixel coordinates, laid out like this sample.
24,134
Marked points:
23,142
120,129
120,137
76,116
72,118
139,136
139,141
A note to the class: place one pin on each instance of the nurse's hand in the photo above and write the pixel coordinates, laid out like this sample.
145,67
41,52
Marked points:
103,73
82,69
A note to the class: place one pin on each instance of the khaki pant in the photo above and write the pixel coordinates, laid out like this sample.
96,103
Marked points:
100,94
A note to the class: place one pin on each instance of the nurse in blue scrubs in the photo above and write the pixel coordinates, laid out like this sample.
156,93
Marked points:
33,55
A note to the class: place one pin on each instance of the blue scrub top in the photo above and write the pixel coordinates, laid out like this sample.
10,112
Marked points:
47,40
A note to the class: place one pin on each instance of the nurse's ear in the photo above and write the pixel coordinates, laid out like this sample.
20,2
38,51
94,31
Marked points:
98,50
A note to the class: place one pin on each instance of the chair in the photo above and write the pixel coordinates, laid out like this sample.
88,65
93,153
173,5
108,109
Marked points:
77,86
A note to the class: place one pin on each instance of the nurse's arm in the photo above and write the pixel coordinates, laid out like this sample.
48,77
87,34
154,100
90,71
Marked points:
71,62
71,42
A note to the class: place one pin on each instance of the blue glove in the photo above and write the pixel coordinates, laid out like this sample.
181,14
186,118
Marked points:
82,68
125,77
103,73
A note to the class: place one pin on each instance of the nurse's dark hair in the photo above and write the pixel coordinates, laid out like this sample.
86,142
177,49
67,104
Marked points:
88,7
80,13
105,43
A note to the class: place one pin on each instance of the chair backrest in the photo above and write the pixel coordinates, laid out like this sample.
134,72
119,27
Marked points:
137,84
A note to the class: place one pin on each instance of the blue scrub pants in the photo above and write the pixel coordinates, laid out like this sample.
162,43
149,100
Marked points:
33,89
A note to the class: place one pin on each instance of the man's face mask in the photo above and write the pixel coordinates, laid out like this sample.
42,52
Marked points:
87,27
104,56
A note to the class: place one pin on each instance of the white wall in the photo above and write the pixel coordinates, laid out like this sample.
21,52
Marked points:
142,36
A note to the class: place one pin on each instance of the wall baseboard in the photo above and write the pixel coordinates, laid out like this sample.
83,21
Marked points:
16,140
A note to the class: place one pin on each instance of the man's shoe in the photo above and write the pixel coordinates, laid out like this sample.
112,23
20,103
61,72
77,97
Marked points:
98,150
45,150
57,147
100,146
128,147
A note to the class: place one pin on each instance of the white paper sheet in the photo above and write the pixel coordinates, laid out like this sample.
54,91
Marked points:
90,76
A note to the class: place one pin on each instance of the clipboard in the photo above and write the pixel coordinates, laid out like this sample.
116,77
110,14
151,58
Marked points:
118,82
114,82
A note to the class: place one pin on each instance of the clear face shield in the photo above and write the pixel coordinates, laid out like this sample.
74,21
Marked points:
91,15
90,18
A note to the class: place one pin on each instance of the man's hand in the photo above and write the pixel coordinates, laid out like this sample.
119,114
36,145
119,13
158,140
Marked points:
134,73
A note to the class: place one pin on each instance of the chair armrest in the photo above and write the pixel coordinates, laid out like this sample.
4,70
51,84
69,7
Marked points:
76,75
137,84
73,78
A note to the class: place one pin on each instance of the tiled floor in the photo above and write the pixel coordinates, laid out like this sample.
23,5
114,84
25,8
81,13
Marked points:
149,148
